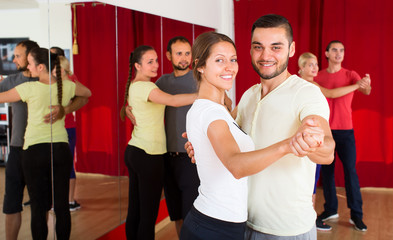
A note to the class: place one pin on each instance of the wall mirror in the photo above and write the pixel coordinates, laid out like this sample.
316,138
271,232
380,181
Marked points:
105,35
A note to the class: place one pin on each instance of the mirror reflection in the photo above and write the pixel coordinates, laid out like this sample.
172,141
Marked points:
104,36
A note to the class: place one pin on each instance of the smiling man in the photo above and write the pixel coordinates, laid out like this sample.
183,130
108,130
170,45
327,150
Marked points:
280,197
342,129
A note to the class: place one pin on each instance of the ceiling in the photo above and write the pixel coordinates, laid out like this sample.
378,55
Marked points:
18,4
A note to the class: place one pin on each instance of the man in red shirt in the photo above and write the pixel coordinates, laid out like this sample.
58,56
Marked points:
341,124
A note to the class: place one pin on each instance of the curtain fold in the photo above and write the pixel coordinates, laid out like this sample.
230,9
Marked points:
95,66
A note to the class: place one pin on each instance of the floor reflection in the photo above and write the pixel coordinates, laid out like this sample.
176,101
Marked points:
101,211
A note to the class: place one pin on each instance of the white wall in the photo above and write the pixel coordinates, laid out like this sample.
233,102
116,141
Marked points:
20,23
60,24
33,23
217,14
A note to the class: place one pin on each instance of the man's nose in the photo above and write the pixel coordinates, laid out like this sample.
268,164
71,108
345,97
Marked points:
265,54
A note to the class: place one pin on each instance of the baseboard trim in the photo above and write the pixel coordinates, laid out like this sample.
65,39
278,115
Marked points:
162,224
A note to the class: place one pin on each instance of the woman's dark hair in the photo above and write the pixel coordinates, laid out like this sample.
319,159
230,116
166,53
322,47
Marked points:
58,51
135,57
202,48
42,56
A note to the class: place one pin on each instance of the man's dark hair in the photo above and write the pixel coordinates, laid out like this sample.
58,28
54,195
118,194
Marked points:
274,21
58,51
330,44
29,45
175,39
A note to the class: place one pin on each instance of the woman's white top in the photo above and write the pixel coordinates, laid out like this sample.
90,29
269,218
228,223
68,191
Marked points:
221,195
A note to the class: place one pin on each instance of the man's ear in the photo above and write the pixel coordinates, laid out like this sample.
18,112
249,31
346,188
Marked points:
292,49
168,55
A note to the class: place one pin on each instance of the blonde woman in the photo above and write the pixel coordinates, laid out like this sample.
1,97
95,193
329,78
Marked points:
70,123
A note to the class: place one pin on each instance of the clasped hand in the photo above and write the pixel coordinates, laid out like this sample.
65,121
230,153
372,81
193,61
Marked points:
364,82
54,115
308,138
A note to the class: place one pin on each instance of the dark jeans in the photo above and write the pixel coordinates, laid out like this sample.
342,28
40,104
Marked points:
198,226
181,184
346,151
317,173
36,164
72,142
146,174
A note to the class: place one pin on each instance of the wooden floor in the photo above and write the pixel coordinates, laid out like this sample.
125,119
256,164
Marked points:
101,209
378,216
104,206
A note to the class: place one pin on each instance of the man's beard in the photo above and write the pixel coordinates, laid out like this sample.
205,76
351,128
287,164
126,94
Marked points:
280,70
180,68
21,68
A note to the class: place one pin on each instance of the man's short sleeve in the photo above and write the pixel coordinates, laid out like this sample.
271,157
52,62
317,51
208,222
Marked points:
311,101
5,85
354,76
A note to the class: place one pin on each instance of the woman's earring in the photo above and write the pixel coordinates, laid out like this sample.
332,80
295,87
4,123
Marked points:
202,71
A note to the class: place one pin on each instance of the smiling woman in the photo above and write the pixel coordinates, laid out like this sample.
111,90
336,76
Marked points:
100,153
144,152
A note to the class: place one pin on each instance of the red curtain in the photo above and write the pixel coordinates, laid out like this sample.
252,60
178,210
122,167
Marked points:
366,29
101,136
95,66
